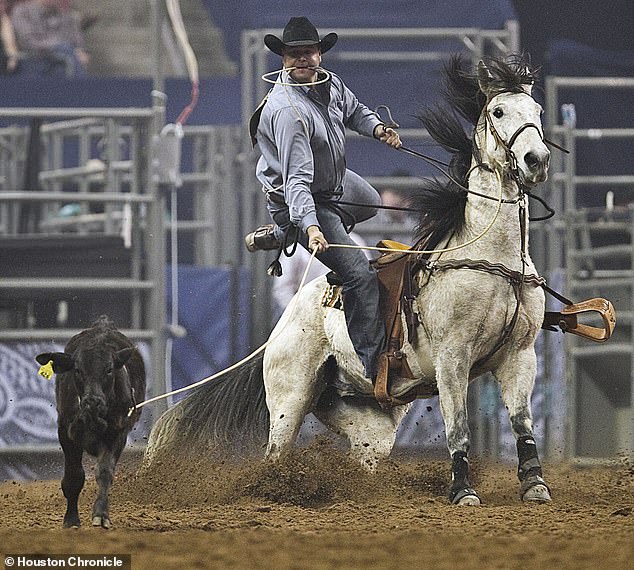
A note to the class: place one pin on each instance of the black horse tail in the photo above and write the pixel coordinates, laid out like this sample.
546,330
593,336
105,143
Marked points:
226,416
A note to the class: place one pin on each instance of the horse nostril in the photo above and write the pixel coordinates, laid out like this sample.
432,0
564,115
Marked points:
531,160
537,160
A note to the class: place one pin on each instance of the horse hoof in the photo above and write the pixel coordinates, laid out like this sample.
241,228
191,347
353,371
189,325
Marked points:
466,497
103,522
534,489
469,501
537,494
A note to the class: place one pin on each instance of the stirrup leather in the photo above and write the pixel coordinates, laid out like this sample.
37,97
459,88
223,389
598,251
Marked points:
394,275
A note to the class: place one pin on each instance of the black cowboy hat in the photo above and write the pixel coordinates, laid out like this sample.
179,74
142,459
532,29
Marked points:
299,32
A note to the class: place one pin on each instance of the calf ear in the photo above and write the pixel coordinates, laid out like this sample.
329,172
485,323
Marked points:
122,356
62,362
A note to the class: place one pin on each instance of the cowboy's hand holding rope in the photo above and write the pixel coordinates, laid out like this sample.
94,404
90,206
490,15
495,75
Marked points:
387,135
316,240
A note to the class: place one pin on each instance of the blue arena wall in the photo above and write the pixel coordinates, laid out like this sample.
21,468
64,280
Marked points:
214,308
219,101
330,14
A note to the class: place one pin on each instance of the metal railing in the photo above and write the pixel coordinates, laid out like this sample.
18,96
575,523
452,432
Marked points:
254,55
125,179
593,247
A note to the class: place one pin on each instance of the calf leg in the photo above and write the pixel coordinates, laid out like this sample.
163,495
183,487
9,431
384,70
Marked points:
73,478
104,474
517,378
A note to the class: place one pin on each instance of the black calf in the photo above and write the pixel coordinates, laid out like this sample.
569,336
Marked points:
100,376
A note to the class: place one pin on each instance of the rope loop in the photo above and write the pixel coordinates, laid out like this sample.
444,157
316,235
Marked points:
266,77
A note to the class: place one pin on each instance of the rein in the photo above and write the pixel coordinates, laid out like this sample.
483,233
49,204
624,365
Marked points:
391,123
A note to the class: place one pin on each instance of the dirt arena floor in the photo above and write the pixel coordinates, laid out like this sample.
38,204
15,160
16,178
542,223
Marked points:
318,510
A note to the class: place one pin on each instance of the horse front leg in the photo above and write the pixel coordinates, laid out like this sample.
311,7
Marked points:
452,379
517,378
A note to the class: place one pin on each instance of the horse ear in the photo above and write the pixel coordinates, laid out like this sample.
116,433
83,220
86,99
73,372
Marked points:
528,87
122,356
484,77
62,362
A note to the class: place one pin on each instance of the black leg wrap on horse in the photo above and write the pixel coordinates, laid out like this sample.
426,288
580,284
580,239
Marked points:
529,471
460,486
528,459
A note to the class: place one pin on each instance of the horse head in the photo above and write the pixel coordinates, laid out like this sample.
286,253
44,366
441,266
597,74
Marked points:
510,130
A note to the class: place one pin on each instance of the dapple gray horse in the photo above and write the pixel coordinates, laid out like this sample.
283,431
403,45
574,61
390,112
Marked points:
479,307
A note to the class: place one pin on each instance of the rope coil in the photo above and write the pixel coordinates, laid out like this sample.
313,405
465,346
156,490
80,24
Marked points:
266,77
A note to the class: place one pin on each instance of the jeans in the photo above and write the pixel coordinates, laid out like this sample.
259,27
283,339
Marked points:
360,281
60,61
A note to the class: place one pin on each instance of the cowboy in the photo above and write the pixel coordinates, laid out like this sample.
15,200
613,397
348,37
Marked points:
300,131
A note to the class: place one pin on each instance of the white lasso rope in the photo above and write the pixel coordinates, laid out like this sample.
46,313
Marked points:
266,76
237,364
301,286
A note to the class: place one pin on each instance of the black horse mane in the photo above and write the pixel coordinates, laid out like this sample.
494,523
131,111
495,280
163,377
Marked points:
442,203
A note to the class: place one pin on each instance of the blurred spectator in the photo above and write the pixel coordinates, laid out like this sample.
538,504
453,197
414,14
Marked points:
8,47
392,224
48,33
395,198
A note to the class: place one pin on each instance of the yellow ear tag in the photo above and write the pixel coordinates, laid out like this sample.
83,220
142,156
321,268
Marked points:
46,370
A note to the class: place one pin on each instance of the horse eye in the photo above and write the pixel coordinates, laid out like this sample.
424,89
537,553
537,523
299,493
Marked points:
498,113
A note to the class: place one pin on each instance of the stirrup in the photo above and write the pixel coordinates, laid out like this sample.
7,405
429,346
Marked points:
567,319
382,389
262,239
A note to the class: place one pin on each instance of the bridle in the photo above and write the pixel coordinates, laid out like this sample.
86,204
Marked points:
511,160
507,146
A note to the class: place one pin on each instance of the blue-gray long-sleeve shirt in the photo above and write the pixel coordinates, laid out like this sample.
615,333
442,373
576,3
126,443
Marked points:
302,141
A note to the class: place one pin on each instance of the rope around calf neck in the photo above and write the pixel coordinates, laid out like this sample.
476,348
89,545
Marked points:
293,302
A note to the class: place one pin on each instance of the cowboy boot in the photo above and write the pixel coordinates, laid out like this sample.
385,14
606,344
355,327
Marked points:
262,239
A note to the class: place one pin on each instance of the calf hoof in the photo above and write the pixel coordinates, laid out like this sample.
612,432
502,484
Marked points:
466,497
71,522
535,490
102,521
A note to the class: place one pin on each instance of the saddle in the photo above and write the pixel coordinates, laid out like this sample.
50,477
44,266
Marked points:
397,293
